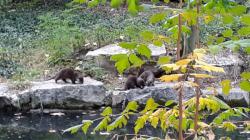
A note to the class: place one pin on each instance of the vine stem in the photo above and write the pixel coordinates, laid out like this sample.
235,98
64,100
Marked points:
197,23
196,108
178,51
180,112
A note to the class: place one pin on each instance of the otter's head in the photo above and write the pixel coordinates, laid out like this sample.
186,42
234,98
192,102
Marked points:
140,83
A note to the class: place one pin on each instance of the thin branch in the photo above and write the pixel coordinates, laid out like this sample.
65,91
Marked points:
197,24
180,113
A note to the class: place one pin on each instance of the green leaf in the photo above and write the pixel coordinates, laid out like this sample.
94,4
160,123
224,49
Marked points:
131,106
186,29
163,60
107,111
86,125
245,19
132,7
119,122
245,75
147,35
115,3
118,57
144,50
166,1
245,85
157,17
122,65
226,86
140,122
103,124
222,104
158,43
227,33
154,121
136,61
229,126
244,31
247,50
150,105
169,102
128,45
93,3
220,40
228,19
73,129
80,1
238,10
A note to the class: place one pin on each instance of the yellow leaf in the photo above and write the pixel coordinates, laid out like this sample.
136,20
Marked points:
170,78
201,75
183,61
198,54
172,66
209,68
201,62
226,86
208,19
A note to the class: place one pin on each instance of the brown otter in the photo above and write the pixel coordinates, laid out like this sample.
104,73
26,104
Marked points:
131,83
68,73
147,78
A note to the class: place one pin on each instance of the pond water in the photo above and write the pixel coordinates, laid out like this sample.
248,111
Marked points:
36,126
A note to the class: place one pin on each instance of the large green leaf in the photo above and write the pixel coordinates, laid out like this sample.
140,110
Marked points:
128,45
157,17
158,43
245,19
245,75
238,10
245,85
147,35
144,50
163,60
132,7
244,31
86,125
118,57
122,65
227,33
115,3
228,19
136,61
107,111
93,3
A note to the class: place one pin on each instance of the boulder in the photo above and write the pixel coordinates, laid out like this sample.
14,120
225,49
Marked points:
163,92
48,94
102,56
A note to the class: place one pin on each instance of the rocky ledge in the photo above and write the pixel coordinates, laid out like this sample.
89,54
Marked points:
48,95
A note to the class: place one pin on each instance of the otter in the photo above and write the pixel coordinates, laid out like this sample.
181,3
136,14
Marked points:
147,78
132,83
69,73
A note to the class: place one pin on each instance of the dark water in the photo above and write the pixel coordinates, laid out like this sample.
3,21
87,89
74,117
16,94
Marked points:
35,126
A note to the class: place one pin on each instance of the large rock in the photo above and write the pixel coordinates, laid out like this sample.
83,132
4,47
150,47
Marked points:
102,56
48,94
163,92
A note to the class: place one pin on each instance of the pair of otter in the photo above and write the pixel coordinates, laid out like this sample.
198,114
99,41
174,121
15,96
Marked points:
143,78
69,73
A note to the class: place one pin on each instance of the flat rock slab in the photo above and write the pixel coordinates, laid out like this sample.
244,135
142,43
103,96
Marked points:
48,94
115,49
164,92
